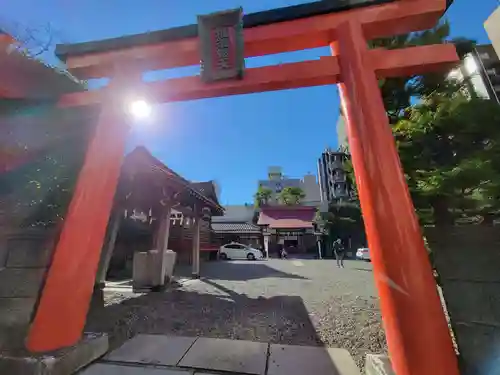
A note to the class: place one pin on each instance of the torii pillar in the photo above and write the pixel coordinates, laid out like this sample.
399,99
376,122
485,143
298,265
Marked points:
64,303
417,333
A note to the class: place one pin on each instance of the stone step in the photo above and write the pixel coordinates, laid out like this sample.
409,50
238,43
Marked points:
176,355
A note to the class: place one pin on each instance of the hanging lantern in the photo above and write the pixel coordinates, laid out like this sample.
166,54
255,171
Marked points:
206,214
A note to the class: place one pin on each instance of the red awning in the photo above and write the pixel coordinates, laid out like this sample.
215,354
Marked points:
287,217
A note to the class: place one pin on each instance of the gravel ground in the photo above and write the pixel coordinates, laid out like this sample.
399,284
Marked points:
299,302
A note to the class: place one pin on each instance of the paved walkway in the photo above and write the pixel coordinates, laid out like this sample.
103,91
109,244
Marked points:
291,302
177,355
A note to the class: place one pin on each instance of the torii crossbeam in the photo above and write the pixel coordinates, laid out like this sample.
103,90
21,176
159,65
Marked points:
417,333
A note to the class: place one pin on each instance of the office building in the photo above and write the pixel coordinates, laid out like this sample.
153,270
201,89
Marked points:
333,181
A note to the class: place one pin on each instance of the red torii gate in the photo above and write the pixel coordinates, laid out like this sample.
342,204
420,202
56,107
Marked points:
417,333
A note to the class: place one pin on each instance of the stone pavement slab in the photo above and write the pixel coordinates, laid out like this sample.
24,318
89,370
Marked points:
301,360
64,361
247,357
152,350
110,369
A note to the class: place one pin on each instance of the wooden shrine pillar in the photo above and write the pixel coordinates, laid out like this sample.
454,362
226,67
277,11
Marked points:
416,329
65,299
195,273
107,251
158,265
163,234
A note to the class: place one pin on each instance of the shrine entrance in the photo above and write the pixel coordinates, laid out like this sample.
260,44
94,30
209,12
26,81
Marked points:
417,333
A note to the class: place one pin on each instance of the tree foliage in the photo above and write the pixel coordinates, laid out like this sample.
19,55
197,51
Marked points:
262,196
399,92
291,196
43,150
449,146
447,138
345,221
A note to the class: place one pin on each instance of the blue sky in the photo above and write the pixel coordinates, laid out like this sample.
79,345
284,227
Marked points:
233,139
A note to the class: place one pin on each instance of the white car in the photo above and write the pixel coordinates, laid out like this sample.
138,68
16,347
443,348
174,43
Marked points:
239,251
363,254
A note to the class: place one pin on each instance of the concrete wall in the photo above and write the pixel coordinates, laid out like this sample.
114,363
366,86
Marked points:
467,259
24,259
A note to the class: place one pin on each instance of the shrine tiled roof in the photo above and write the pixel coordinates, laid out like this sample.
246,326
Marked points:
235,228
206,188
283,217
142,155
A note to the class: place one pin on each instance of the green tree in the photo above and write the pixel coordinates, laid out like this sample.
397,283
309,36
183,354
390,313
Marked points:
449,146
448,141
343,220
42,160
262,196
398,92
291,196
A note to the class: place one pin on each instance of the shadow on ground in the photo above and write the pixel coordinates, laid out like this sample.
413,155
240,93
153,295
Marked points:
231,271
280,319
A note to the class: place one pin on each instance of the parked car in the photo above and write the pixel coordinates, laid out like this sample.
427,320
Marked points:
363,253
239,251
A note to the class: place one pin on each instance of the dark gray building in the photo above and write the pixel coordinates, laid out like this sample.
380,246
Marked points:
489,69
333,181
480,69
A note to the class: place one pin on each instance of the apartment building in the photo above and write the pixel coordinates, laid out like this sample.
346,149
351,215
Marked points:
332,177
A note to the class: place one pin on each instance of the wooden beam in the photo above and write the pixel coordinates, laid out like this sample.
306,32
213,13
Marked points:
413,60
380,20
325,71
277,77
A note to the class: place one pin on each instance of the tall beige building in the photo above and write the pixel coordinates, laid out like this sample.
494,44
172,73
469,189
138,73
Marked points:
492,27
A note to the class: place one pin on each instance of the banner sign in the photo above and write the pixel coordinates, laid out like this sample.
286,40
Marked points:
290,233
221,45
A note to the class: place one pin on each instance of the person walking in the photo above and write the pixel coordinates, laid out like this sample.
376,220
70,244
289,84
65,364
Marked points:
339,252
